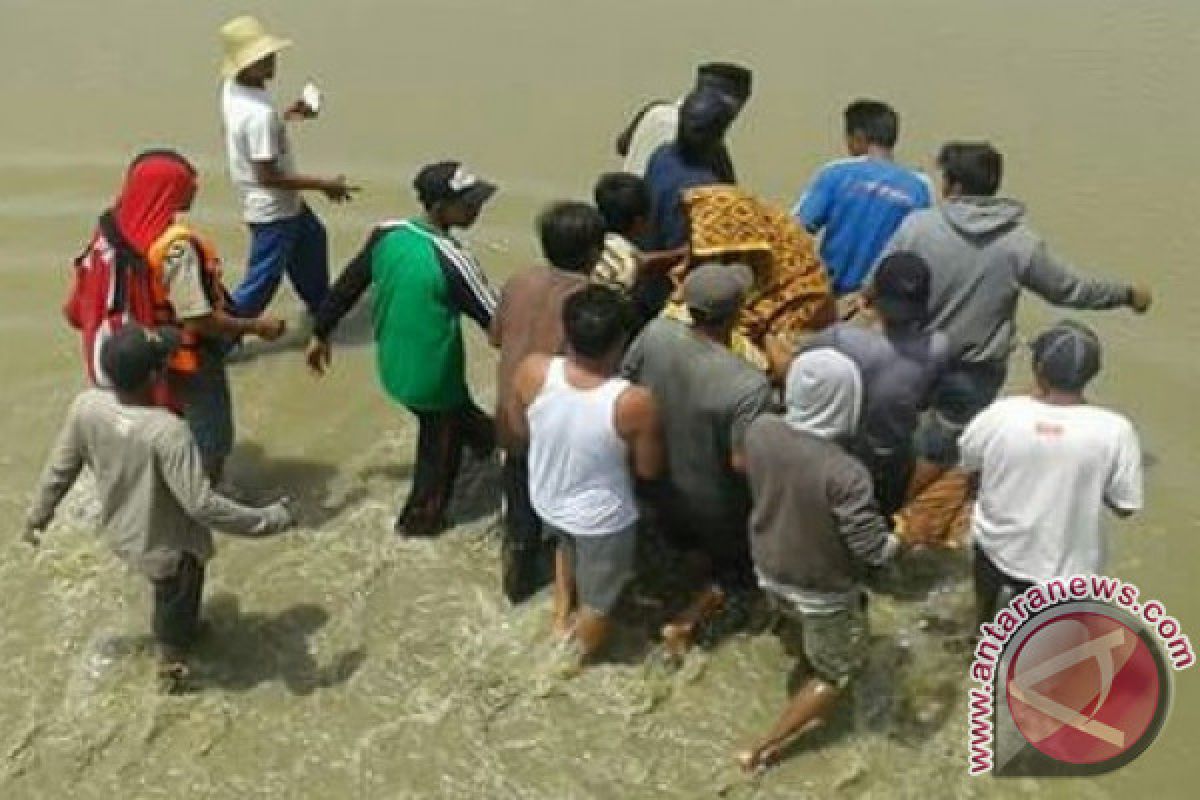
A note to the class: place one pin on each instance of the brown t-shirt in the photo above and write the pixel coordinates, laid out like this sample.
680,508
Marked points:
528,320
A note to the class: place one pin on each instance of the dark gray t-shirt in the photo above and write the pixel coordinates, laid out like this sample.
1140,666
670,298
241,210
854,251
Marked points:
708,397
898,370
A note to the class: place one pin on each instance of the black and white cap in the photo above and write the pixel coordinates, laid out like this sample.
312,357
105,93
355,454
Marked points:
451,181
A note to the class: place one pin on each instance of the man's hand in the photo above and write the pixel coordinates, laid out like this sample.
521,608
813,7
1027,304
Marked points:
318,355
269,328
32,536
298,110
1140,298
338,191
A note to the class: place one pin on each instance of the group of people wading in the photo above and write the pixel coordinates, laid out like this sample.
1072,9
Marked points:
686,365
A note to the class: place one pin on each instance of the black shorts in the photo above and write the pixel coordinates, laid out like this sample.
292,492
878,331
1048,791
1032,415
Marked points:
994,588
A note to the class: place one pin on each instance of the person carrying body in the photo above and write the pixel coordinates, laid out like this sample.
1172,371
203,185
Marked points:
900,362
857,203
1047,464
657,122
146,263
591,434
529,320
423,280
156,502
814,532
286,237
712,396
981,255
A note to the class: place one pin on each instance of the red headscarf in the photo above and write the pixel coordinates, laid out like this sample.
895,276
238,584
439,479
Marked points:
158,185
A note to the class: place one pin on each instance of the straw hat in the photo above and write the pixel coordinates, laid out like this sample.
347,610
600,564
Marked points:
246,42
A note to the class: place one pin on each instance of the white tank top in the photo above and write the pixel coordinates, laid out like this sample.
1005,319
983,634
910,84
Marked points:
579,479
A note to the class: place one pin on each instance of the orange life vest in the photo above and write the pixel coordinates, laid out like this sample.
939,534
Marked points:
186,359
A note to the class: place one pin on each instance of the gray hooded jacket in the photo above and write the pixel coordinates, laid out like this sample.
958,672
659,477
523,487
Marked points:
981,254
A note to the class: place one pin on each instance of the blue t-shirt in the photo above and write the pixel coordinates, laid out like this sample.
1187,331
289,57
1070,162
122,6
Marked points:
667,176
859,203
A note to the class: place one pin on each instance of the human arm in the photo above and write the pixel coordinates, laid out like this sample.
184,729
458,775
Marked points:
637,422
263,136
527,382
1059,283
182,469
58,476
194,297
856,515
468,285
1123,492
495,330
655,261
812,209
750,407
268,175
343,295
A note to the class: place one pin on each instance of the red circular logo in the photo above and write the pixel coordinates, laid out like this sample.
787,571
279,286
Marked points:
1084,688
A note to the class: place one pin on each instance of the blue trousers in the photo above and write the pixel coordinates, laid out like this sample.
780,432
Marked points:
295,246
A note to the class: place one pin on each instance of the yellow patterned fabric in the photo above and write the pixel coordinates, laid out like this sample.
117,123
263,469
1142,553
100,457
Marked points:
791,289
940,515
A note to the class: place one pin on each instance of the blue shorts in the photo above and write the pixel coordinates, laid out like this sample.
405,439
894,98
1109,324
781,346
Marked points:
208,409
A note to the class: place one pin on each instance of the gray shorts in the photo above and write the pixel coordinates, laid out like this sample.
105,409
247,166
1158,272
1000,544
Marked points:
602,565
208,408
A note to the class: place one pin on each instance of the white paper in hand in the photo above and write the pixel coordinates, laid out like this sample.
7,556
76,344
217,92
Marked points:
311,96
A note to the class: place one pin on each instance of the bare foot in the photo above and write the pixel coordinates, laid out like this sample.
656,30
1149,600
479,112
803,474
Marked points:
564,628
677,638
758,759
173,673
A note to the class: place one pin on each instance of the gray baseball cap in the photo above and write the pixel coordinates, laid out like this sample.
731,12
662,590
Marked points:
717,291
1067,355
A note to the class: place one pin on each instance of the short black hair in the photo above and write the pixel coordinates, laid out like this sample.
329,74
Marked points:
596,320
622,199
572,235
900,287
876,121
977,167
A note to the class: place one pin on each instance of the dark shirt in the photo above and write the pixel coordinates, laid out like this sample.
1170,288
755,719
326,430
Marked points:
815,523
528,320
899,370
667,176
709,397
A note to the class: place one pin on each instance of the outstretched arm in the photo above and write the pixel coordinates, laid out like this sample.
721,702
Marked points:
183,471
1059,283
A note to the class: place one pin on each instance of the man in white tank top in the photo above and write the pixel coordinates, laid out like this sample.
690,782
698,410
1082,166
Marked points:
590,435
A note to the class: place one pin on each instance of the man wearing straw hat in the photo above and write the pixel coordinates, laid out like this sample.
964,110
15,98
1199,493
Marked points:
286,236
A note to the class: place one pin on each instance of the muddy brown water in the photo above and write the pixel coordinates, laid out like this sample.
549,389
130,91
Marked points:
345,663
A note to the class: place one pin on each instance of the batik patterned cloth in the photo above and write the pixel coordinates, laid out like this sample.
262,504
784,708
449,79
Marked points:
791,290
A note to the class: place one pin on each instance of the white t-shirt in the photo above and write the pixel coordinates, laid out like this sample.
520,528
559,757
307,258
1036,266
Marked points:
1046,470
656,128
254,131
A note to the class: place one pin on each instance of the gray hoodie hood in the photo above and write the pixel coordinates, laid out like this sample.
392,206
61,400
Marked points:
982,216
